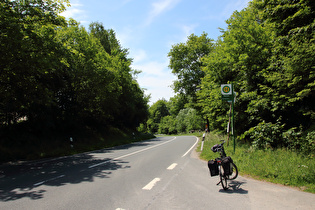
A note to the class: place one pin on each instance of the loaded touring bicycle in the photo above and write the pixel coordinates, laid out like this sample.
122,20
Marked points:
222,166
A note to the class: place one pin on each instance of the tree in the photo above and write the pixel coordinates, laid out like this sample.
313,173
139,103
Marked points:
176,103
188,119
132,107
267,51
289,78
157,111
168,125
186,64
239,57
108,40
31,59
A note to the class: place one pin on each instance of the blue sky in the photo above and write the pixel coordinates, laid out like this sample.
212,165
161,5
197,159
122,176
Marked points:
149,28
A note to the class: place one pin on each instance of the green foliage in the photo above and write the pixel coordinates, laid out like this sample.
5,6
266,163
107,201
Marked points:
310,138
265,135
168,125
188,120
186,63
157,111
267,51
289,78
176,103
57,77
164,122
295,141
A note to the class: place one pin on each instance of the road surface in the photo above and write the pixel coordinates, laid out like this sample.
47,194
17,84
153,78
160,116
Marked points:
161,173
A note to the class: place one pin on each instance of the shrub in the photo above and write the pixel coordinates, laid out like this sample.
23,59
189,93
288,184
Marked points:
265,135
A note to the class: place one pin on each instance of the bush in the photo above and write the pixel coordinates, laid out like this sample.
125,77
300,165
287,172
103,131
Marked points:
265,135
296,141
310,138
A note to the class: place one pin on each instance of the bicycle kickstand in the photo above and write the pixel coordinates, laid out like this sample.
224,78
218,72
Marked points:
219,182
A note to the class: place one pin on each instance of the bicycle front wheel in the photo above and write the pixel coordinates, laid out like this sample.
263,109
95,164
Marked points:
235,172
223,178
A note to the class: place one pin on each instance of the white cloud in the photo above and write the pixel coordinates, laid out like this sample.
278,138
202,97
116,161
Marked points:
72,11
185,31
139,56
156,78
160,7
76,12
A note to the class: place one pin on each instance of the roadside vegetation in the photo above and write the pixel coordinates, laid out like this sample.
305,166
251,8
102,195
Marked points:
282,166
59,80
267,51
29,146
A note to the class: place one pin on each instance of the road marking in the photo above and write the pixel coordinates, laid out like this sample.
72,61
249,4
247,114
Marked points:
151,184
48,180
191,148
171,167
98,164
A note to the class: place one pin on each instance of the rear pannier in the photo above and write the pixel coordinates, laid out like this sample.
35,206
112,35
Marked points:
226,164
213,167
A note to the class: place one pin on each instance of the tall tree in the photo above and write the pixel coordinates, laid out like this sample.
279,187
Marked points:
267,51
186,64
239,56
132,107
30,60
290,76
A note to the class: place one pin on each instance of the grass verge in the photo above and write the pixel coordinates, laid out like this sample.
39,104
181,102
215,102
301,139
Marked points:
277,166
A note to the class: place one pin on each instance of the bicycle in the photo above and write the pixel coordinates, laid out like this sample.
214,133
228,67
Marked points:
223,166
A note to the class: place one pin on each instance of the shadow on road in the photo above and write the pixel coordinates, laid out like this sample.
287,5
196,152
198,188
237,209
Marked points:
235,187
26,180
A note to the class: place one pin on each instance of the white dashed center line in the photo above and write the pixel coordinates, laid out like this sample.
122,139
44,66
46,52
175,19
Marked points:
171,167
48,180
151,184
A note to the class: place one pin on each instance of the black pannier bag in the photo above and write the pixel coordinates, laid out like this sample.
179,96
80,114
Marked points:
226,164
213,167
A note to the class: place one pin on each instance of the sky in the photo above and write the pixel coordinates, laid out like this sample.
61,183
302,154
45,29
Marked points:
149,29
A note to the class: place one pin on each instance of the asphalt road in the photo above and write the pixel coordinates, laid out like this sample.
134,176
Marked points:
162,173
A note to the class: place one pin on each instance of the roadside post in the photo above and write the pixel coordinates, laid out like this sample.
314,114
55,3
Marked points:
71,142
229,96
203,140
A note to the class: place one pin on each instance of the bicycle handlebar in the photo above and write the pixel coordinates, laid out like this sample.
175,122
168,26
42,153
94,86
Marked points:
217,147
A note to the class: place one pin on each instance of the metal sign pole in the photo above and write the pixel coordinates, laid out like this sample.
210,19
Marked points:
233,127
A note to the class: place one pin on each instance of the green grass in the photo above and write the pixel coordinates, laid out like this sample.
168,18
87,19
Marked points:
278,166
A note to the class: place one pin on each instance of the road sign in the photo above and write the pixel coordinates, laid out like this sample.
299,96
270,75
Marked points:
226,89
228,95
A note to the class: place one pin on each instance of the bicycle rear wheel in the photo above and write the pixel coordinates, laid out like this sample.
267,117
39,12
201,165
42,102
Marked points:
235,172
223,178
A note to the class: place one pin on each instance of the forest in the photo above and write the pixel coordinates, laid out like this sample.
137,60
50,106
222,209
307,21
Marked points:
267,51
59,81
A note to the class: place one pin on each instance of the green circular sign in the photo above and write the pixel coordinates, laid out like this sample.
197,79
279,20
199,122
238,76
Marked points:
226,89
